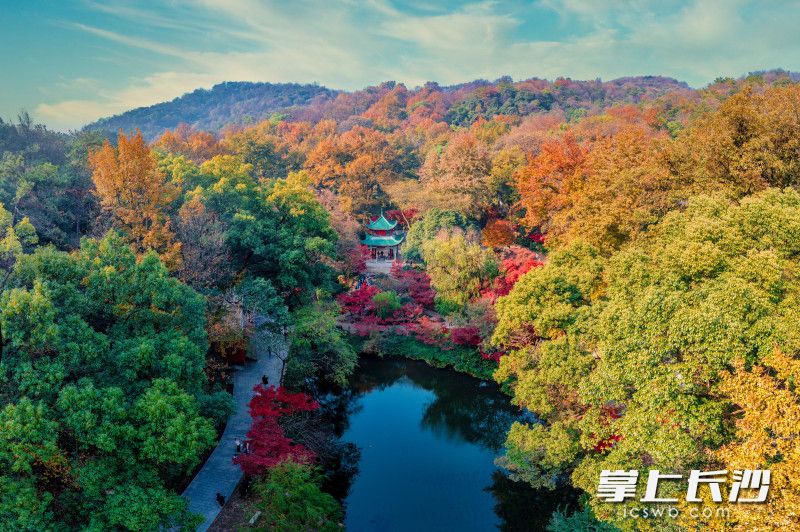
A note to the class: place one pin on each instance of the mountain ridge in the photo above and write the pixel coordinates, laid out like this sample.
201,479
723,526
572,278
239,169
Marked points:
241,103
212,109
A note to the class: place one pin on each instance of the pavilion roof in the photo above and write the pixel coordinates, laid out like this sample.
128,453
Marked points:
383,241
381,224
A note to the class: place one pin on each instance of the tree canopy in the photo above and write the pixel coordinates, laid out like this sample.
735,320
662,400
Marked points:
627,359
103,363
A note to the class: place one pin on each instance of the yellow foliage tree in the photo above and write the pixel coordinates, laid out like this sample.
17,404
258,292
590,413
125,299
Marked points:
767,437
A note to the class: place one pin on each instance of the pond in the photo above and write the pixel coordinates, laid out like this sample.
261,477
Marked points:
428,439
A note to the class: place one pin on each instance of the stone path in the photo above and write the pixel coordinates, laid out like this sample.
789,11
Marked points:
379,266
219,474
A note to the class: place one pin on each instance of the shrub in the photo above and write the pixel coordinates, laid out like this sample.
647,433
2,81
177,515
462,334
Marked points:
461,358
386,304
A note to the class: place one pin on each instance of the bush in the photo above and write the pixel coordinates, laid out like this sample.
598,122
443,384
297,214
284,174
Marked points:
318,348
445,307
386,304
461,358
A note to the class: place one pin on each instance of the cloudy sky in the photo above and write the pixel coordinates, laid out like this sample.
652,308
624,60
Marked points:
69,62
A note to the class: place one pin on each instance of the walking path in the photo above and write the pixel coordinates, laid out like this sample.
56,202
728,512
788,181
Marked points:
219,474
379,266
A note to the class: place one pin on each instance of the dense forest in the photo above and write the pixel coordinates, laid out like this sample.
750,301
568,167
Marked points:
244,103
622,257
232,103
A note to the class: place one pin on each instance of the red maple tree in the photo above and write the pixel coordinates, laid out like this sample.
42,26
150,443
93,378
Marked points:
266,440
468,335
518,262
431,332
415,283
358,303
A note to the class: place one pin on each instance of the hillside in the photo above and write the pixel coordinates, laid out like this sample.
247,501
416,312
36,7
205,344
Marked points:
236,103
242,103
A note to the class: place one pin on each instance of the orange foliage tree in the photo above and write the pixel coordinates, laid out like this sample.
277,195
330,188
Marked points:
137,195
459,174
545,182
498,233
197,146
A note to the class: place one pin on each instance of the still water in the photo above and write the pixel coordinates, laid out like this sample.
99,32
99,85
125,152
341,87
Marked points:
428,439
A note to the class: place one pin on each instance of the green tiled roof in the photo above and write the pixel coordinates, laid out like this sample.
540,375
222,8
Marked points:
382,224
383,241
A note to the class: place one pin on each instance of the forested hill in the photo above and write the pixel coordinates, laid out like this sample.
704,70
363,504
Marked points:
237,103
242,103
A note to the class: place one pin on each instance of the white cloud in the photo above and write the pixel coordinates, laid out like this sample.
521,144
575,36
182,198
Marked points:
71,114
142,44
349,45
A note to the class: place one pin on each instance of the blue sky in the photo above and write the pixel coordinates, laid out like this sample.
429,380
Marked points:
69,62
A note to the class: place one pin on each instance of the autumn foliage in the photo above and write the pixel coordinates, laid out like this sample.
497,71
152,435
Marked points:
430,332
268,445
136,194
545,182
197,146
517,262
498,233
358,303
416,283
468,335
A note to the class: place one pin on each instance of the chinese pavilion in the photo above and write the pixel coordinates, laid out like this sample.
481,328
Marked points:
383,238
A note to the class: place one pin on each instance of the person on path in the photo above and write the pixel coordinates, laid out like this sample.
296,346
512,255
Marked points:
220,499
238,445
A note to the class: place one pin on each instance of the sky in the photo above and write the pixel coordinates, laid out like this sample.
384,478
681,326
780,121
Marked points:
69,62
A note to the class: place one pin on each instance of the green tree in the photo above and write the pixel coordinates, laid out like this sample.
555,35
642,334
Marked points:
27,443
277,229
170,428
434,221
623,358
386,303
318,348
458,267
292,499
103,379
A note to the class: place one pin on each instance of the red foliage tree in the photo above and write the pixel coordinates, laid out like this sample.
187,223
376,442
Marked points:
518,262
415,283
498,233
408,313
267,442
607,443
465,335
609,414
494,356
405,217
538,237
358,257
358,303
367,325
431,332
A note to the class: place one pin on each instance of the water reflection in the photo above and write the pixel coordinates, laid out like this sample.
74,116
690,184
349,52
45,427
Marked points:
428,438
